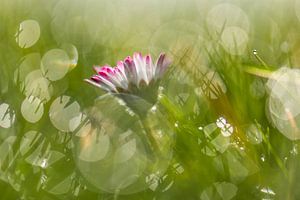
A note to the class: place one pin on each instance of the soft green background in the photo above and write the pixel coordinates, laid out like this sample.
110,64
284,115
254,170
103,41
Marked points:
214,74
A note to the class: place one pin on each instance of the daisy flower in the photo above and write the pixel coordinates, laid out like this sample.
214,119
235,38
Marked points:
137,76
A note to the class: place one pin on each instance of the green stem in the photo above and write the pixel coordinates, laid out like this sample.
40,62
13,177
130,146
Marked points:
276,157
150,140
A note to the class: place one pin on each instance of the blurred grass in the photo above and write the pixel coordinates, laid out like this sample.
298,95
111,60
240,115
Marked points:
106,31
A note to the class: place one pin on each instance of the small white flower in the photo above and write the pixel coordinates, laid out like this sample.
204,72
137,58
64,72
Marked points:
131,74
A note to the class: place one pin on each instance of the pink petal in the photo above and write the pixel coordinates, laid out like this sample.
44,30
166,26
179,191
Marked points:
148,59
96,79
128,58
109,78
149,67
130,70
162,64
104,75
107,69
97,69
100,85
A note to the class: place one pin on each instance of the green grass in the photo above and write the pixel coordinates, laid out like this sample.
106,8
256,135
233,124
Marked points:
212,76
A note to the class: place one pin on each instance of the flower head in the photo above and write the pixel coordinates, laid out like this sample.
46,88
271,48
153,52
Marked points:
137,76
137,71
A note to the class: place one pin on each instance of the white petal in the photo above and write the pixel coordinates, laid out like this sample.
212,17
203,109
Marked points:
150,68
140,67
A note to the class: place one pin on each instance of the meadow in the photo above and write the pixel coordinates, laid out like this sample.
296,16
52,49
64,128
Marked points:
217,120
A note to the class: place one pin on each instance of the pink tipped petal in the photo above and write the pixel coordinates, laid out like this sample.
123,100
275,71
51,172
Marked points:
140,65
128,58
104,75
160,59
108,84
128,62
121,69
161,65
120,64
109,75
92,82
130,70
102,86
137,55
97,69
107,69
149,68
107,78
148,59
164,67
96,79
122,80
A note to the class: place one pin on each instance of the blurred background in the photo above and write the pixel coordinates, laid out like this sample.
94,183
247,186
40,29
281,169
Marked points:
226,123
